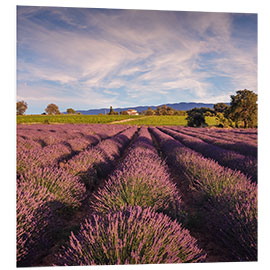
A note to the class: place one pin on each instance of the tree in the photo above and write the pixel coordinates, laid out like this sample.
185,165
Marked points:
244,108
196,117
150,111
70,111
221,107
21,107
52,109
182,113
124,113
164,110
170,111
112,112
223,121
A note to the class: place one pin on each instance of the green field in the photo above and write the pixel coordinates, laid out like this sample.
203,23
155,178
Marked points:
74,119
159,120
139,120
164,120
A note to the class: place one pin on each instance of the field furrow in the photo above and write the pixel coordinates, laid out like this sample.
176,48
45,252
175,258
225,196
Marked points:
226,201
119,194
242,147
228,158
140,184
48,195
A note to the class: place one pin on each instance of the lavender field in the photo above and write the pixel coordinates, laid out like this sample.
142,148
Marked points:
99,194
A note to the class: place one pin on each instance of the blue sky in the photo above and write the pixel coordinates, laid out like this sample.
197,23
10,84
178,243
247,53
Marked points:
95,58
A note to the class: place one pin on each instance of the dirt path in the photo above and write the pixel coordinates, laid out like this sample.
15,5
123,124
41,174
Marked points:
126,120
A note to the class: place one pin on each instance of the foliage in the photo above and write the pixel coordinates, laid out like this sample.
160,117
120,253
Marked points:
196,118
124,113
182,113
112,112
70,111
223,121
52,109
164,110
220,107
149,111
244,108
21,107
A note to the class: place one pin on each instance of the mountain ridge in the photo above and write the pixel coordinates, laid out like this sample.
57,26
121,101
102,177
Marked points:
182,106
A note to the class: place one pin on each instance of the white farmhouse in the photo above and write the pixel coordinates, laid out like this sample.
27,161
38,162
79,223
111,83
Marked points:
132,112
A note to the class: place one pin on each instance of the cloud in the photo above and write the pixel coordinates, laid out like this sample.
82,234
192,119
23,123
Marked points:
92,53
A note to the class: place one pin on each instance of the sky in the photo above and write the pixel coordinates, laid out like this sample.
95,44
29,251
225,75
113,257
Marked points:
85,58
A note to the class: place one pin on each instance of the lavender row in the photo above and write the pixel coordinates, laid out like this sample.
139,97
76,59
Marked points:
98,160
241,147
30,154
42,195
53,189
40,157
227,199
231,159
224,134
131,236
235,134
244,131
141,179
52,134
126,229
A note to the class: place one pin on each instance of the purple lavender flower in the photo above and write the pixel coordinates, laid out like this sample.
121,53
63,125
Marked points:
131,236
66,188
141,179
227,197
33,216
231,159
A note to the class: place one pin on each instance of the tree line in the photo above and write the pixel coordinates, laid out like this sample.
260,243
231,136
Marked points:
51,109
242,111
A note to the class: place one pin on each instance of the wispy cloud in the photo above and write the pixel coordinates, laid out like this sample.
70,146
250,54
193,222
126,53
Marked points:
129,57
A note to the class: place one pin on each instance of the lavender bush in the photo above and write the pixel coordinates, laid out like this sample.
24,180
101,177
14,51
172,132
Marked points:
131,236
99,159
33,217
227,197
141,179
45,191
231,159
241,146
66,188
233,135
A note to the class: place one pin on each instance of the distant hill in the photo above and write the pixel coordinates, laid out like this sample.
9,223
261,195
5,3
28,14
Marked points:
182,106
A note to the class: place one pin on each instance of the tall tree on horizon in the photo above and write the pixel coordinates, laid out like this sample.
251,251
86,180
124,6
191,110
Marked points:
244,108
21,107
52,109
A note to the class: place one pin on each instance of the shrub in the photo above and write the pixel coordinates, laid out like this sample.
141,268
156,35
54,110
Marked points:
66,188
33,216
131,236
141,180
